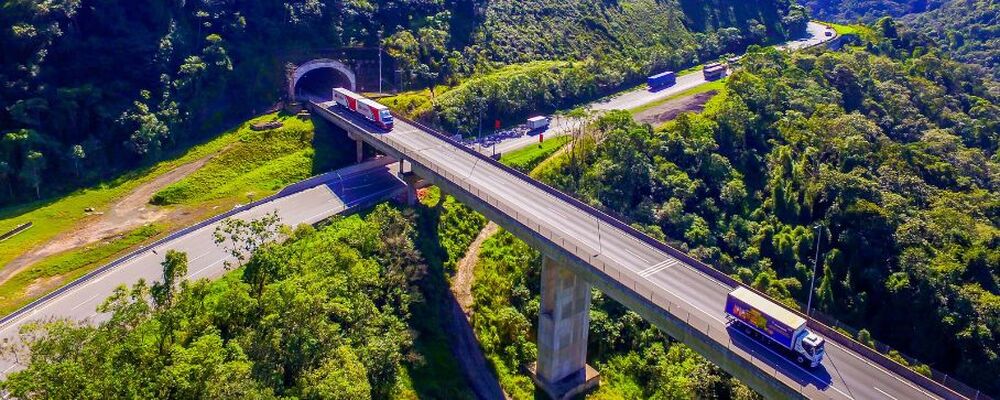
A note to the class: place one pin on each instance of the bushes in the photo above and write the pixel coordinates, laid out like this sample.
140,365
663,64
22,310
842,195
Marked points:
333,309
260,162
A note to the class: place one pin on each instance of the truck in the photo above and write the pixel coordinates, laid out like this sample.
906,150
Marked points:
369,109
537,123
713,71
662,79
762,318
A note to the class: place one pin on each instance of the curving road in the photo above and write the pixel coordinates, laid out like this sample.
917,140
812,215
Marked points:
815,35
330,194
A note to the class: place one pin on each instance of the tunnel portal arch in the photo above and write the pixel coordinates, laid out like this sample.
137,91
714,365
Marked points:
322,63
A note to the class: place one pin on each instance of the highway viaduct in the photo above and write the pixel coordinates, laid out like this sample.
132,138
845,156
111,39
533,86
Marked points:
585,248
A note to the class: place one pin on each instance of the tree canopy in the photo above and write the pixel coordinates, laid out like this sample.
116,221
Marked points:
331,321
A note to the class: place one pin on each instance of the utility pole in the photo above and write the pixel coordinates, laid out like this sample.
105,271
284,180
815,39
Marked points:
479,136
812,284
380,62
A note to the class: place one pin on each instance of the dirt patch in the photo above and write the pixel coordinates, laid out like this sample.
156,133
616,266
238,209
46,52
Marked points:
671,109
461,283
130,212
42,285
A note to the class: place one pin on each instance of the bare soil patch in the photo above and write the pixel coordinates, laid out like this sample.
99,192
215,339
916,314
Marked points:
130,212
671,109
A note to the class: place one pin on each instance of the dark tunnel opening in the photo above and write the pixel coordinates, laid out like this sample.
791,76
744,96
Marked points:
318,84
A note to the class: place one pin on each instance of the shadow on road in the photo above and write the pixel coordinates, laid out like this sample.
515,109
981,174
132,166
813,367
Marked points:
805,376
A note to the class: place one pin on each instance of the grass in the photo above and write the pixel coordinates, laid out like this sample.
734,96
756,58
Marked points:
62,268
245,162
414,102
703,88
54,216
842,29
256,162
524,159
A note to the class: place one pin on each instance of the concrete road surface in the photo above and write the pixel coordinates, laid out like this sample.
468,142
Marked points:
205,258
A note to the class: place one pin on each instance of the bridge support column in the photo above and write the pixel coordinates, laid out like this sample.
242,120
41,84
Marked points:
360,145
563,323
412,182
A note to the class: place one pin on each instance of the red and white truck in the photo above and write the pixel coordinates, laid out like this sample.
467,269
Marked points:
368,108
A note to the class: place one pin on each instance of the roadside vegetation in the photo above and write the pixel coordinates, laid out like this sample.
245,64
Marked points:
330,313
258,162
78,111
63,268
706,87
244,164
527,158
886,169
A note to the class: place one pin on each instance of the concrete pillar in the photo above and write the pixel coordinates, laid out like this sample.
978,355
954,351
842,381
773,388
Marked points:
412,182
360,144
563,324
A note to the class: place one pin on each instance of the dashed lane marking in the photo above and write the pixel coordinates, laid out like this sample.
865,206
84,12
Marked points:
670,262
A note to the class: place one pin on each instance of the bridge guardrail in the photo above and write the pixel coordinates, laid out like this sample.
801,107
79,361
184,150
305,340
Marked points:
939,388
295,188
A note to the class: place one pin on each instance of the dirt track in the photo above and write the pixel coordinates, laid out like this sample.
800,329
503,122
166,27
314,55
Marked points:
128,213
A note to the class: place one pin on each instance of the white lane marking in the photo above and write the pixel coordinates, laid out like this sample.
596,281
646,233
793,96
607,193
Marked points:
636,255
191,276
658,267
884,393
84,302
845,350
799,367
200,256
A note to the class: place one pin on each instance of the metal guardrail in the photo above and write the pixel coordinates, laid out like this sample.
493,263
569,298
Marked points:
939,388
289,190
17,229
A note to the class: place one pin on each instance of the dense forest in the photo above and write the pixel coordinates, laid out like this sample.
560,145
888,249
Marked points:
326,315
968,30
893,154
95,87
867,11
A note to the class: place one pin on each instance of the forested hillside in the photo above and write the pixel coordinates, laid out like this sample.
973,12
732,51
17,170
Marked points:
969,30
893,157
867,11
95,87
572,51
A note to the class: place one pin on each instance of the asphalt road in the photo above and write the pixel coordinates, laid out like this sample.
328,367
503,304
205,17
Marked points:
205,258
694,296
643,95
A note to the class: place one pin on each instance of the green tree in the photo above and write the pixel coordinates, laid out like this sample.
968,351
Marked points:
31,171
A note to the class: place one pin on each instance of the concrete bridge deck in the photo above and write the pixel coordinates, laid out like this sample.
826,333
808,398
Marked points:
676,293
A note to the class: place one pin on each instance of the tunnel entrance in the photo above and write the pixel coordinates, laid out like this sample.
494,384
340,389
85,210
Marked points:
316,79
